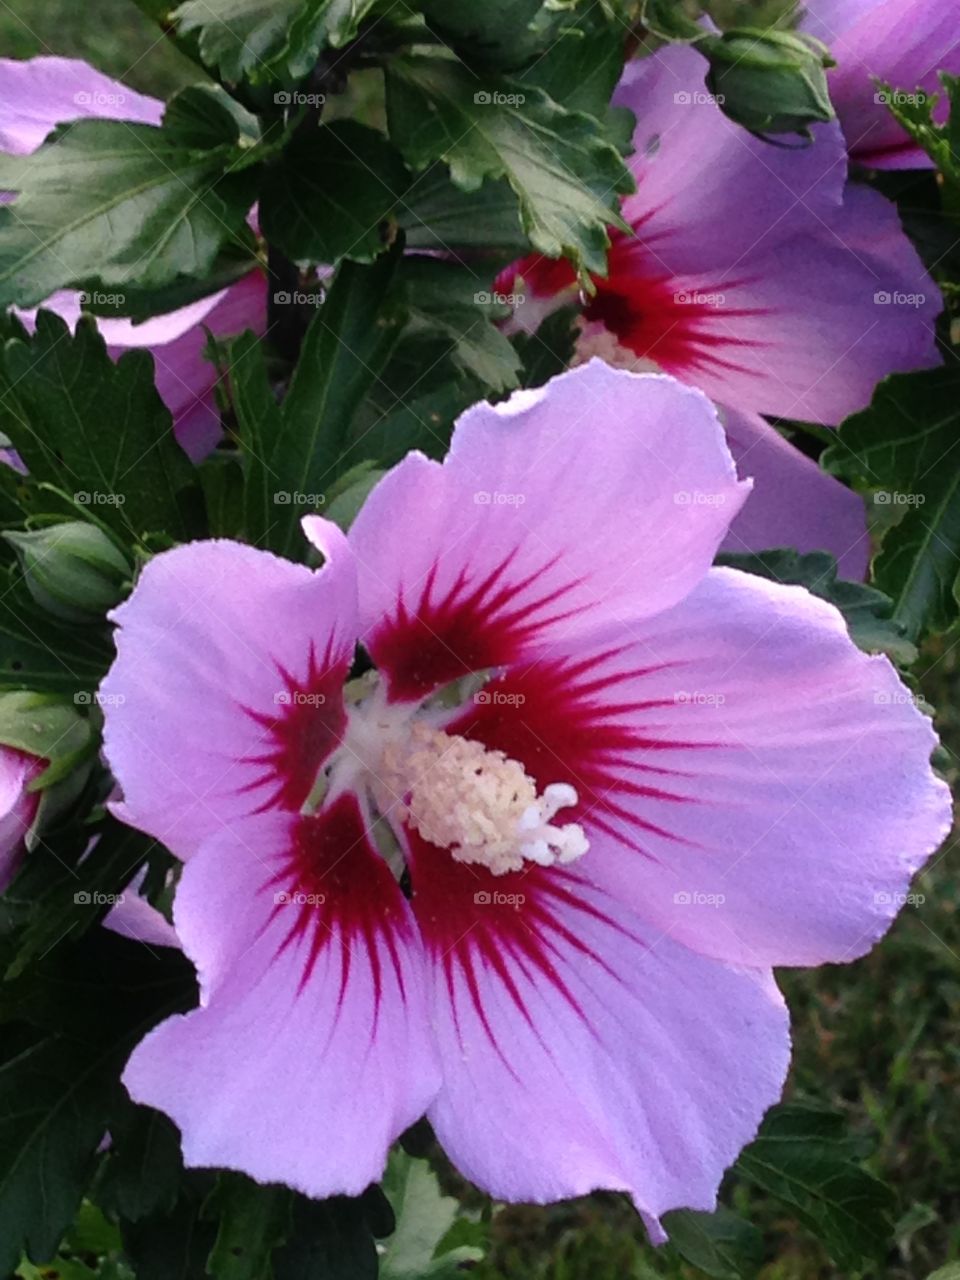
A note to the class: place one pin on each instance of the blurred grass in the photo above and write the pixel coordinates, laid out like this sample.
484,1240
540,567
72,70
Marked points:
879,1039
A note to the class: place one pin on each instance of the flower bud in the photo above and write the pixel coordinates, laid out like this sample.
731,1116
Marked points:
73,570
769,81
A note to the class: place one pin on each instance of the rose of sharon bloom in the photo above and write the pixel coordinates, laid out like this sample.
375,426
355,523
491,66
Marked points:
902,43
18,806
545,916
35,96
752,274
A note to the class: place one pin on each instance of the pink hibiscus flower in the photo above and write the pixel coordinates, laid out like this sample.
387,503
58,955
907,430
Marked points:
903,43
37,95
530,876
755,274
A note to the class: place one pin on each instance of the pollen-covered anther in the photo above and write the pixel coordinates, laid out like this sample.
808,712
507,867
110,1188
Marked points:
478,803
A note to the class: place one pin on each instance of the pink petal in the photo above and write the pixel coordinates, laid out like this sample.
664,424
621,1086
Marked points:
697,172
134,917
901,42
803,331
18,807
465,565
40,93
750,781
581,1049
793,502
310,1053
225,696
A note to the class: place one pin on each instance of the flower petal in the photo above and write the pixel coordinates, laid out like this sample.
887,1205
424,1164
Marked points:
582,1049
310,1052
776,335
18,807
39,93
750,781
901,42
225,697
464,565
793,502
697,171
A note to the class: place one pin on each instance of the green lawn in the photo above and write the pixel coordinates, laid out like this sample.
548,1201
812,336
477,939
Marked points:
879,1039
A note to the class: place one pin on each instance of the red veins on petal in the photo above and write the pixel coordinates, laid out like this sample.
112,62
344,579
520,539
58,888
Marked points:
301,730
339,893
471,626
515,932
685,329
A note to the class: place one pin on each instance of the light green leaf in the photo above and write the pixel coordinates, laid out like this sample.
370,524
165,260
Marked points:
424,1216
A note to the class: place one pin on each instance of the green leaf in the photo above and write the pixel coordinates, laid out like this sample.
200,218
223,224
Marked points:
332,194
582,67
865,609
331,1240
674,19
61,891
268,39
424,1216
290,466
141,1172
437,214
59,1079
802,1158
253,1221
906,448
118,203
916,113
564,170
721,1244
497,33
448,301
39,652
97,429
174,1245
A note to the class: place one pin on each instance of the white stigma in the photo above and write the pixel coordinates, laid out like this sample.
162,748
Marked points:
597,340
478,803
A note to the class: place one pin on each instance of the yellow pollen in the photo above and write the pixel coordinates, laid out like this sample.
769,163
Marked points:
597,340
479,804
